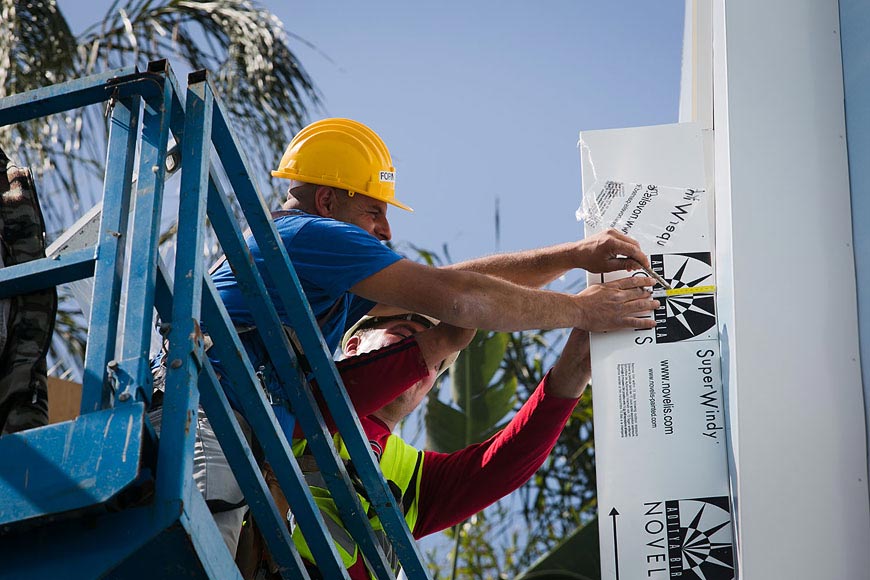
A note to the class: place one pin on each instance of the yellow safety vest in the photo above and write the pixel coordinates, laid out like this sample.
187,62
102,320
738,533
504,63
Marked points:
401,465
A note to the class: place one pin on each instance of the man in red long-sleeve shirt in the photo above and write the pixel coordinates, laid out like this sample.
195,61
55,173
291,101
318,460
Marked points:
439,490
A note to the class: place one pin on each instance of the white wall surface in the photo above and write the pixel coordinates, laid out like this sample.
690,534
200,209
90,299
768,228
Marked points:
787,294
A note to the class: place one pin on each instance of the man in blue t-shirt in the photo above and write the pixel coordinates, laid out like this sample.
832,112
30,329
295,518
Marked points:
335,220
329,257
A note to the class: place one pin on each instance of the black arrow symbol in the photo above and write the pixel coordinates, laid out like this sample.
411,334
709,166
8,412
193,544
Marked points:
613,514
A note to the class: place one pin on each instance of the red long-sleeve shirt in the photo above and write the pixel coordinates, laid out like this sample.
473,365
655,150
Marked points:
455,486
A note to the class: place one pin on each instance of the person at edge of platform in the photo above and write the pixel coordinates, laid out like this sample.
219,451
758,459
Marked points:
332,226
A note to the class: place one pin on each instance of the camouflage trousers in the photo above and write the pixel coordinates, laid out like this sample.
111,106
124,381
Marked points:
29,323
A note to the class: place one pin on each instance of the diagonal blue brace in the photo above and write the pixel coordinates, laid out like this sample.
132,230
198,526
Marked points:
272,525
229,349
270,435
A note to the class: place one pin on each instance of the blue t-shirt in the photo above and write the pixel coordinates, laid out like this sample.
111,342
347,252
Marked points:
329,257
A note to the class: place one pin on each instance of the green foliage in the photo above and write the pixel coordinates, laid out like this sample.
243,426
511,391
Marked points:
37,48
485,551
428,257
43,31
481,396
508,536
578,555
246,47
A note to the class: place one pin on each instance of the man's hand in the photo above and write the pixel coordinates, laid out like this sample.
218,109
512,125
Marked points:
441,341
609,251
623,303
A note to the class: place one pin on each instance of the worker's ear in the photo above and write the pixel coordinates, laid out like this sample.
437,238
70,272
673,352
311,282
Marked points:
325,201
352,346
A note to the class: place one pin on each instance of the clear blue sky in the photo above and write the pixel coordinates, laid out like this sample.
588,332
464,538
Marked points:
478,100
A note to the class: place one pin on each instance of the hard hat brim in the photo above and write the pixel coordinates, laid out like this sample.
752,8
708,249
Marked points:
337,184
394,202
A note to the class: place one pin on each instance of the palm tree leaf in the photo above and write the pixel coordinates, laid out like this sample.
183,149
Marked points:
583,411
494,429
494,403
476,366
258,75
445,427
480,400
37,46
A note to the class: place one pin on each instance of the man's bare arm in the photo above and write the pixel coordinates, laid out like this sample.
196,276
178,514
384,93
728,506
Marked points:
472,300
607,251
573,371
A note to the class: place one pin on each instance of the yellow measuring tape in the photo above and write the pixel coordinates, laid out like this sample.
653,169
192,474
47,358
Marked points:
685,290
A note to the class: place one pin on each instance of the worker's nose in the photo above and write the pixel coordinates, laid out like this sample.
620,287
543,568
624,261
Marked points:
382,230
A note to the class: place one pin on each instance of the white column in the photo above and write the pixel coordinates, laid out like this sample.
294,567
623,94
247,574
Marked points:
787,298
696,74
855,21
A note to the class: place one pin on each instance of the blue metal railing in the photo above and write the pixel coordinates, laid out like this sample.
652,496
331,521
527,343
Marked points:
117,372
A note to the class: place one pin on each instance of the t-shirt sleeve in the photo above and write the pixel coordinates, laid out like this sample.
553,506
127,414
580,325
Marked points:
334,256
358,308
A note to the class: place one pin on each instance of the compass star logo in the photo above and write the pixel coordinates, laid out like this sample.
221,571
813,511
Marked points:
700,546
687,316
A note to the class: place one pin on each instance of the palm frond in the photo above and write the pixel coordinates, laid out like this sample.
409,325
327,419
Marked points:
481,396
257,74
37,48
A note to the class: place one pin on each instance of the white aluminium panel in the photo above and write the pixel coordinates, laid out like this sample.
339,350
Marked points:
660,437
787,301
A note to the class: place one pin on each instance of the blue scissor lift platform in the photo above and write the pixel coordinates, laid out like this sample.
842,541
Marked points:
102,496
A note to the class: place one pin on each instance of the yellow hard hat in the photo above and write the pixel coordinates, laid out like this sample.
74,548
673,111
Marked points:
345,154
421,319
